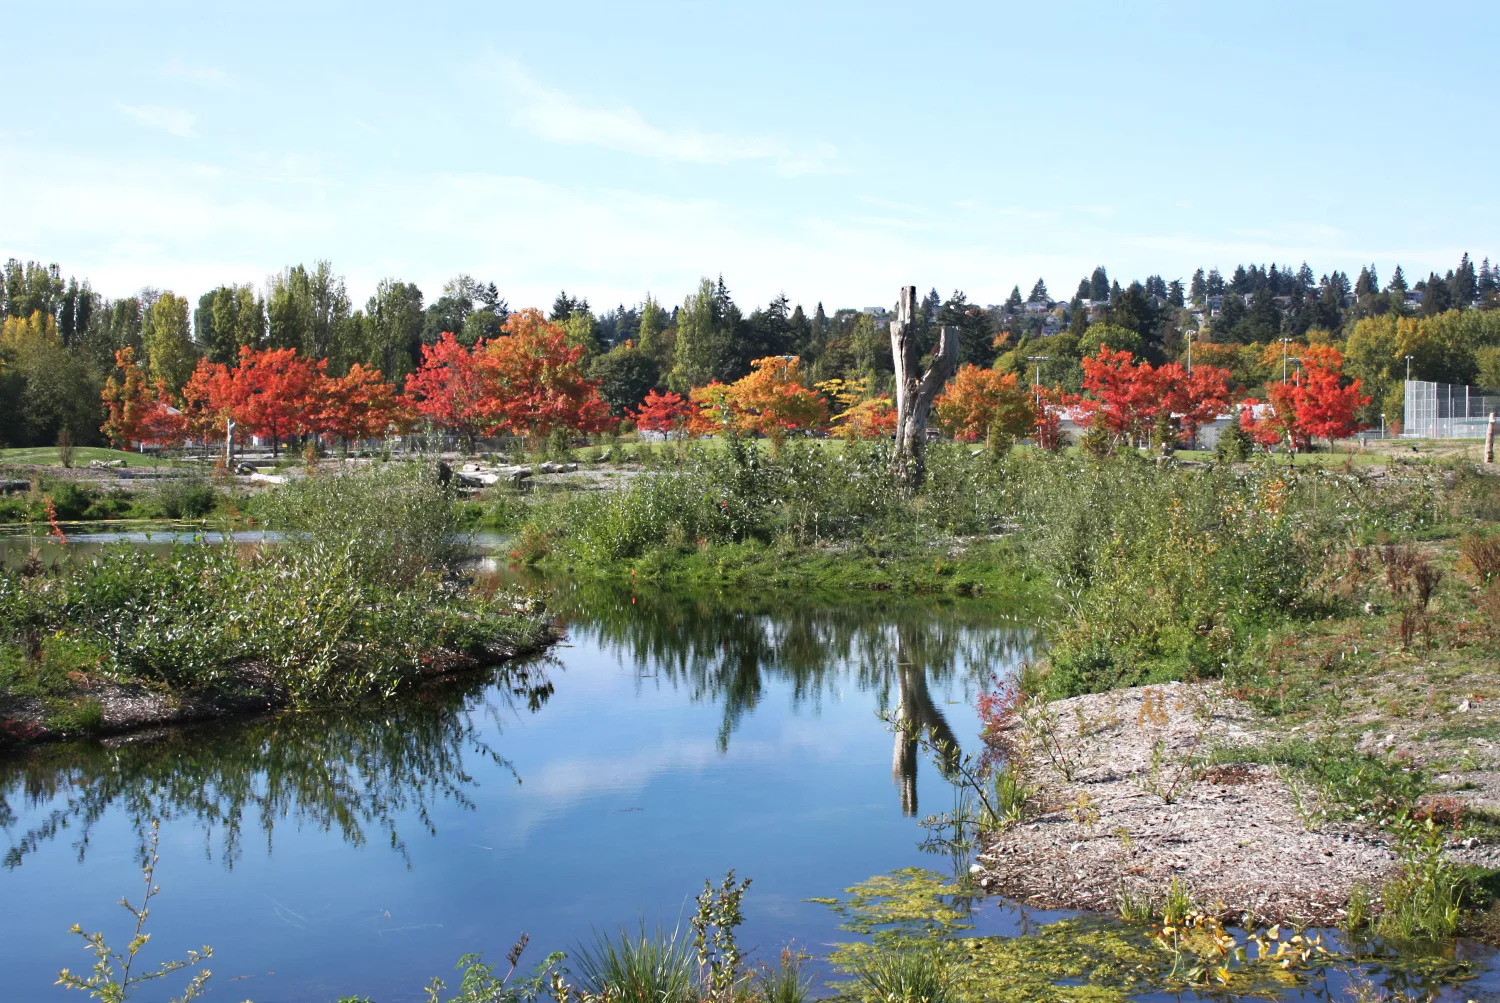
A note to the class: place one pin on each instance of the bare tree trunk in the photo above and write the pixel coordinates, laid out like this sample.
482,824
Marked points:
914,394
1489,441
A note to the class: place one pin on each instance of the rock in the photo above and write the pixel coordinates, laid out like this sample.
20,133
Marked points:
105,464
244,468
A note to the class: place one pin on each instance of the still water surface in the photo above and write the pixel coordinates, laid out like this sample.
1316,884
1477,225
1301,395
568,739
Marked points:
664,742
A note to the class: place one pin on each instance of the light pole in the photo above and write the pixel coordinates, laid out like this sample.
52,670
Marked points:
1190,352
1408,369
1382,425
1283,358
1036,383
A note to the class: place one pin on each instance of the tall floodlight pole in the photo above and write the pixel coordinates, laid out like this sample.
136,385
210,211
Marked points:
1283,358
1036,382
1408,369
1190,352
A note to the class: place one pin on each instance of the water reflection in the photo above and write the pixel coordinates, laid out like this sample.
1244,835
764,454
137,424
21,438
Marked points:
726,648
356,772
353,773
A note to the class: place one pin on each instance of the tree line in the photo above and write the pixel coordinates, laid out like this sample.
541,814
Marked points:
59,344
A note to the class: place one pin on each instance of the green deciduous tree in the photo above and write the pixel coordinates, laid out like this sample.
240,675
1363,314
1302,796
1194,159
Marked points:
168,341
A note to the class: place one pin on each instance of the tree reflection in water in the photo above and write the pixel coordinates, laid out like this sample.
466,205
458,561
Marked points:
725,648
356,771
352,770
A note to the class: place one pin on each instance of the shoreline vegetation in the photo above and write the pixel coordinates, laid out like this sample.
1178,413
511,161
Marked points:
362,597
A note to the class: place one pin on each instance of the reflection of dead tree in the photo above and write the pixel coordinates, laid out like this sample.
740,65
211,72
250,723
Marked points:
916,713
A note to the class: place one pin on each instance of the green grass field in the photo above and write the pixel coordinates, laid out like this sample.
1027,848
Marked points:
46,456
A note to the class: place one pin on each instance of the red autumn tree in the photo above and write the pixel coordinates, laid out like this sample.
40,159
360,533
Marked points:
128,401
1277,424
665,413
1046,430
1315,403
1193,399
528,381
208,401
1122,395
165,425
358,405
978,403
453,390
537,379
1329,409
272,392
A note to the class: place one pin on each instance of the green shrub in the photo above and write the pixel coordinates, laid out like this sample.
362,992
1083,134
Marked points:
179,498
331,615
397,521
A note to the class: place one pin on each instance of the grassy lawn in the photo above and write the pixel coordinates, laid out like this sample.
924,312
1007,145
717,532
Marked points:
46,456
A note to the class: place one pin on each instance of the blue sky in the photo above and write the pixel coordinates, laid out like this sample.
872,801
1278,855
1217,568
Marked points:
832,151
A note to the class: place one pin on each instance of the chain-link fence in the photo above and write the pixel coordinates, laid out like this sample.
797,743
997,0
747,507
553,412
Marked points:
1447,411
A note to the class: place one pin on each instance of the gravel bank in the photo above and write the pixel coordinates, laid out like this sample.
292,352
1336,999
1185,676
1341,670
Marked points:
1231,835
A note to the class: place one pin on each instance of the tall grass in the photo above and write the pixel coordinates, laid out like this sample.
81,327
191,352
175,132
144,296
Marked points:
641,966
1159,572
911,975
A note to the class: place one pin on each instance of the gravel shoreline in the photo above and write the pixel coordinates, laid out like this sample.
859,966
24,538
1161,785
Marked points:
1231,835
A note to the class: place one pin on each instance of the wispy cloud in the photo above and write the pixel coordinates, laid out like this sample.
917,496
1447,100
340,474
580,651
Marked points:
176,121
561,118
211,76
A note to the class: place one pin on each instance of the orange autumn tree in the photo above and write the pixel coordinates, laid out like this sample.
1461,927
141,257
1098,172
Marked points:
711,410
982,403
128,401
538,381
770,400
358,405
208,401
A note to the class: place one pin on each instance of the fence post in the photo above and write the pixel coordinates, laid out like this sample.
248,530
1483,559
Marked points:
1489,441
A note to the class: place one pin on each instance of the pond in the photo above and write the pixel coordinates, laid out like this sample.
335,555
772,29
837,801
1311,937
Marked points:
664,742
